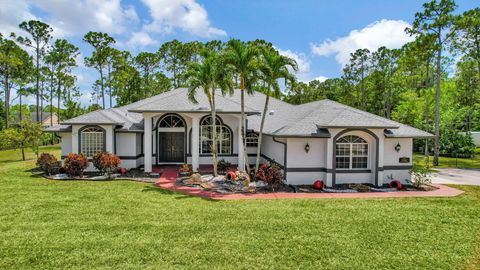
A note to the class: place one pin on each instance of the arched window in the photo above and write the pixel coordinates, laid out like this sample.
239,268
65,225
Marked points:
171,121
251,139
224,136
92,140
351,153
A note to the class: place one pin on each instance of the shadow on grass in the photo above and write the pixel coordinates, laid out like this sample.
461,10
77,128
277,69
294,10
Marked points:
178,195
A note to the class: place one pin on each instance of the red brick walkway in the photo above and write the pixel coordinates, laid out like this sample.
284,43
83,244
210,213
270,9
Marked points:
169,175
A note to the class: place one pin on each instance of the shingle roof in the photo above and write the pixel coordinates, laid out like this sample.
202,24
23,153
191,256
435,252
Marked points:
283,119
177,101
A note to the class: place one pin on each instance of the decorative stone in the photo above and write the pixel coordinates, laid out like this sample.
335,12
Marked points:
60,176
154,175
196,177
100,177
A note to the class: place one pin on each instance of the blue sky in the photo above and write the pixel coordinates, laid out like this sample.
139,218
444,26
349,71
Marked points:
318,34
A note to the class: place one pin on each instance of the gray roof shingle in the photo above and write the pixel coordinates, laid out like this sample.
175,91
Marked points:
283,119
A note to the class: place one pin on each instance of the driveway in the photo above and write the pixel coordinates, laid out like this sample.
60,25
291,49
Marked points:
457,176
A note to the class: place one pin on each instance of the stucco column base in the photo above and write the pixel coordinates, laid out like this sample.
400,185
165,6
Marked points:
329,180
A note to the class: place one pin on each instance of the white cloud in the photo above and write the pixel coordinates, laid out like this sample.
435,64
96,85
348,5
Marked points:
302,60
70,18
388,33
321,78
187,15
141,39
12,13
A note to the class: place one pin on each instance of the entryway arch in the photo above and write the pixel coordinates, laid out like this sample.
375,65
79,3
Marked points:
171,139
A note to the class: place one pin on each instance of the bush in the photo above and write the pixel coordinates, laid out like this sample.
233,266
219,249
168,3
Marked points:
420,176
75,164
47,163
453,143
270,174
223,166
106,163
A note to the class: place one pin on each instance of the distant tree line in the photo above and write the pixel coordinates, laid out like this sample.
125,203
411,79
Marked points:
432,83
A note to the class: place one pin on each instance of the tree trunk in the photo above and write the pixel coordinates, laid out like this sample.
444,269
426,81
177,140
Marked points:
59,96
242,115
20,101
109,86
37,80
436,151
427,112
262,123
23,152
102,88
7,100
214,134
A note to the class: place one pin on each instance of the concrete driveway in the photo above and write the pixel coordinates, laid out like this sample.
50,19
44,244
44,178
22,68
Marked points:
457,176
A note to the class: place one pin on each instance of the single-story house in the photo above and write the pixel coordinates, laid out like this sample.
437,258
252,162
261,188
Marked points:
318,140
46,119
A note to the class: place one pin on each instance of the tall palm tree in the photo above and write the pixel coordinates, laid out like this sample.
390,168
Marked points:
209,75
273,67
242,57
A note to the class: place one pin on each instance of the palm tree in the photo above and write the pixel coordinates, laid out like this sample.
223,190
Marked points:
273,67
242,58
209,75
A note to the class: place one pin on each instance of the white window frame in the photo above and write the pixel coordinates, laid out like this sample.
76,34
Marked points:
221,130
351,155
92,135
251,138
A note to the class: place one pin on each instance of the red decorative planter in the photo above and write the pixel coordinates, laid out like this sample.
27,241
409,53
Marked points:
231,176
319,184
395,184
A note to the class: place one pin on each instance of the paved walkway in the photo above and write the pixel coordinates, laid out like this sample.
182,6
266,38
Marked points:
457,176
169,175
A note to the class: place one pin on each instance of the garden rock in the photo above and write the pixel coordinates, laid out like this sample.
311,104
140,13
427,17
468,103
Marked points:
60,176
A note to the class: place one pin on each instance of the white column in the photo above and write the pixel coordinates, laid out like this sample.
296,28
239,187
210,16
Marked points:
195,143
328,158
147,143
241,157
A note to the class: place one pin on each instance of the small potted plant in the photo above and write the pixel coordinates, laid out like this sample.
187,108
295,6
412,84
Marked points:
185,170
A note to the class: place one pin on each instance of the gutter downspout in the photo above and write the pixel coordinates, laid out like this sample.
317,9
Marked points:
284,156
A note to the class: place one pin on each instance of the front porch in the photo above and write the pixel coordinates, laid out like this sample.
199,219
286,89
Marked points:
177,138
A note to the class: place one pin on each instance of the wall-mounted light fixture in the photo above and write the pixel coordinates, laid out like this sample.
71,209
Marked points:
398,147
307,148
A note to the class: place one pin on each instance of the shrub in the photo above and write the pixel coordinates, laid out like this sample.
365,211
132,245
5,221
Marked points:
47,163
185,168
453,143
75,164
223,165
106,163
270,174
420,176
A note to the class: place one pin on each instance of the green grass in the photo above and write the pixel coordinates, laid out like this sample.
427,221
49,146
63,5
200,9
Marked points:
449,162
46,224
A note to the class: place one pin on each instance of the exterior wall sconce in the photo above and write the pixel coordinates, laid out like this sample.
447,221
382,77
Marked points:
307,148
398,147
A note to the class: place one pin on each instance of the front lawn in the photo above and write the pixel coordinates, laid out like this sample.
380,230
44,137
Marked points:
449,162
46,224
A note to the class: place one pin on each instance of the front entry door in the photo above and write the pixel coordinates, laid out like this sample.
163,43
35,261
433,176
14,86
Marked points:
171,146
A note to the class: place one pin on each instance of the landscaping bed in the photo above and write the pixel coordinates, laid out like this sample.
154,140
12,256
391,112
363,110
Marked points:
222,185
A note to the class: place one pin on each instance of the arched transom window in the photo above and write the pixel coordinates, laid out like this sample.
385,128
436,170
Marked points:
92,141
351,153
224,136
251,139
171,121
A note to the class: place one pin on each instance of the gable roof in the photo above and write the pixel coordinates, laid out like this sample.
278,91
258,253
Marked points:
283,119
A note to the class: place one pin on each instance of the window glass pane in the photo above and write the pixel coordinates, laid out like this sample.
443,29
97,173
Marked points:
92,141
342,162
359,163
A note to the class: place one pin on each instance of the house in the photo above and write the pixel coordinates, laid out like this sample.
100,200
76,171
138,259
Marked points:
318,140
46,119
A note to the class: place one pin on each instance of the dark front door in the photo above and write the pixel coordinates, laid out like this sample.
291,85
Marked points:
171,146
